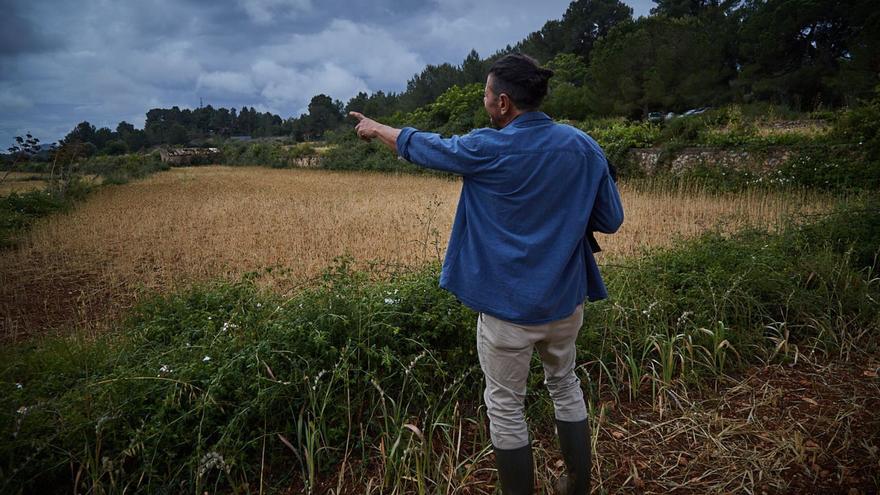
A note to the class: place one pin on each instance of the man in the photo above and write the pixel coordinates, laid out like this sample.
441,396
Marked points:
520,254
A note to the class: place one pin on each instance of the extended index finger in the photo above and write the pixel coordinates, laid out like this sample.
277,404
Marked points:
357,115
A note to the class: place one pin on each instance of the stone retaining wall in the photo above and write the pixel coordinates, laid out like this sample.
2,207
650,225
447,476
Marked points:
653,161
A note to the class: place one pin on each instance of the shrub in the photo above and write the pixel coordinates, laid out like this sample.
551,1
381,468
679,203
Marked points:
617,137
267,154
860,127
123,168
830,168
355,154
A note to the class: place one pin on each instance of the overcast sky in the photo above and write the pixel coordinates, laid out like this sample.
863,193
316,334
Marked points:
104,61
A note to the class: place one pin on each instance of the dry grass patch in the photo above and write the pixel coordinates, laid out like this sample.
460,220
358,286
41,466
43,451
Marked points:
22,182
21,186
192,224
658,215
809,428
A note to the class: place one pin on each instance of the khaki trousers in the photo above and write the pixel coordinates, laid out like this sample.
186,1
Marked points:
505,351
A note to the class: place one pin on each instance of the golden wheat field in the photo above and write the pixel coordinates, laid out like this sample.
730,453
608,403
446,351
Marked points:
193,224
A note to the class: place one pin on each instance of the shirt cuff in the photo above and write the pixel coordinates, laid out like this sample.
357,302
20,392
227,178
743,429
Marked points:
403,142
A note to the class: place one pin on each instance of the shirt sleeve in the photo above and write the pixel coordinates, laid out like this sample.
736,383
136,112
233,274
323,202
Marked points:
607,214
463,155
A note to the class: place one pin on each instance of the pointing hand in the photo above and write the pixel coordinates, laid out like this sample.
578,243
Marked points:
366,128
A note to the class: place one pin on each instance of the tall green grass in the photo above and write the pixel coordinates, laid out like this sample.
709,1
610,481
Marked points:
226,387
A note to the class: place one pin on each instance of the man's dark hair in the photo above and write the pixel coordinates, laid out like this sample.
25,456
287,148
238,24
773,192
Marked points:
522,79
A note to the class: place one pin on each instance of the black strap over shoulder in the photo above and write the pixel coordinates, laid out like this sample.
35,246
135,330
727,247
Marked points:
594,244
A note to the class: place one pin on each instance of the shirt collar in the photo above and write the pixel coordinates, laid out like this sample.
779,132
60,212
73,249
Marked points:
527,117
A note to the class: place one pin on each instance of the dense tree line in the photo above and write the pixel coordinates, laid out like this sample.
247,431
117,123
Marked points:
177,126
688,53
800,53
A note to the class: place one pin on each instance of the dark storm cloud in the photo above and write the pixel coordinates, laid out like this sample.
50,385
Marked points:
103,61
20,34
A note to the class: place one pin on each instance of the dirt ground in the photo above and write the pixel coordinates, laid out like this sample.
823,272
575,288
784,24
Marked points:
804,428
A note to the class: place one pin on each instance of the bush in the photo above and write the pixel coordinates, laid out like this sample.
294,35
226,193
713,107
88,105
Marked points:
860,127
350,153
618,136
830,168
267,154
123,168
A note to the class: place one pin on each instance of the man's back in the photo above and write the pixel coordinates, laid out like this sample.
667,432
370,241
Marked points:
518,249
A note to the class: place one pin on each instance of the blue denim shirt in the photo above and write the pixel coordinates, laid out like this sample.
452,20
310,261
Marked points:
518,249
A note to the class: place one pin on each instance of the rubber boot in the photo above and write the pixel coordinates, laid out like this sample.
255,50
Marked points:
515,470
574,441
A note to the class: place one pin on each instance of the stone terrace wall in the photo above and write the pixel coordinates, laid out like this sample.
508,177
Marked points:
653,161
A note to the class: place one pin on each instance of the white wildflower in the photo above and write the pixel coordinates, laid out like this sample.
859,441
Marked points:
19,386
210,461
685,316
259,305
414,361
206,359
378,388
165,369
318,377
100,423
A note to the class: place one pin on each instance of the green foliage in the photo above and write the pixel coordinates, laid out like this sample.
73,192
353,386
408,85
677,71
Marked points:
860,126
179,126
267,154
209,373
584,22
808,54
831,168
658,64
457,111
739,126
123,168
618,136
850,160
197,388
567,97
350,153
324,114
375,105
814,284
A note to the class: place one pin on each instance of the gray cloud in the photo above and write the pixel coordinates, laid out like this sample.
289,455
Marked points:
64,62
21,34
